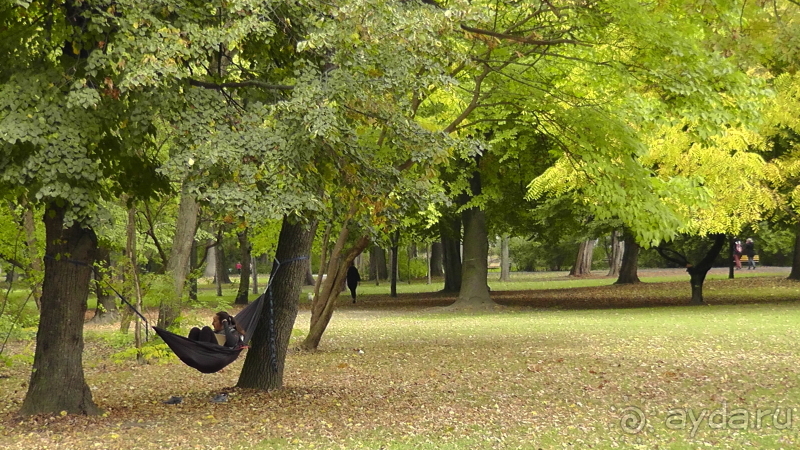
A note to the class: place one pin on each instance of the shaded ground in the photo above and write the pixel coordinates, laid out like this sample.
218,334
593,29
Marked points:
644,294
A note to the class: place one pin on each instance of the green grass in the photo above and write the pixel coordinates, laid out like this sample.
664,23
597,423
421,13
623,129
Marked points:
431,378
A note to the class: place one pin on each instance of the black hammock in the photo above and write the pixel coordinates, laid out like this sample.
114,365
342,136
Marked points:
207,357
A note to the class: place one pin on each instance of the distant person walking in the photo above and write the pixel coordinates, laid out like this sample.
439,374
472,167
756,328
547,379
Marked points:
737,254
750,251
353,277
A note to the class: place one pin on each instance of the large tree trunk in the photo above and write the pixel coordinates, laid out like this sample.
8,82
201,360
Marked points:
505,261
475,267
436,259
221,271
244,275
451,246
628,271
395,268
583,260
615,258
178,265
57,382
106,311
795,273
264,365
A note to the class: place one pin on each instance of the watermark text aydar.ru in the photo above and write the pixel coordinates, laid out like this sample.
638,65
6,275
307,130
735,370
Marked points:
633,419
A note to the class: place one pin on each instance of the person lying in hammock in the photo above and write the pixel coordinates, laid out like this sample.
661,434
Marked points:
225,332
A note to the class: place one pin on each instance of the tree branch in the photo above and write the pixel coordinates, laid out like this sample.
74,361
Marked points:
249,83
524,40
671,255
13,262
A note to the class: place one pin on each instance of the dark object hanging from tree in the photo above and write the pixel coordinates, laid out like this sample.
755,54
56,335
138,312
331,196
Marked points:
207,357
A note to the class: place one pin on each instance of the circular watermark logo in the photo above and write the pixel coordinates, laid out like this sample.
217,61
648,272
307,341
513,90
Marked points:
632,420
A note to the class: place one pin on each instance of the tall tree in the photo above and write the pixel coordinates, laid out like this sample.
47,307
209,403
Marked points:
263,367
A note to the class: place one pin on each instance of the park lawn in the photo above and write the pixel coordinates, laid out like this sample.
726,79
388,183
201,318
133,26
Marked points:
429,377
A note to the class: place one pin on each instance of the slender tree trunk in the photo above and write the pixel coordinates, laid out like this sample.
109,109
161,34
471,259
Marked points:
615,258
505,262
130,249
270,343
795,273
106,311
583,260
178,265
192,278
628,271
244,275
731,263
57,381
220,273
221,270
32,246
428,260
395,268
254,267
323,307
436,259
323,261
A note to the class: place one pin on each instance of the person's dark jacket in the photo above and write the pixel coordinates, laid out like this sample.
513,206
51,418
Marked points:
749,249
232,335
353,277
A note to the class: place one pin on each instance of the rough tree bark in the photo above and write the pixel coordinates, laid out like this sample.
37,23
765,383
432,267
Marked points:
583,260
475,265
57,381
178,265
628,271
258,372
615,258
242,295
